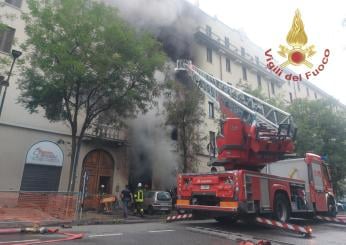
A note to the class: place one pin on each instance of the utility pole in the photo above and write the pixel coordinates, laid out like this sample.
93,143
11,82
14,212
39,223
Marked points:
6,83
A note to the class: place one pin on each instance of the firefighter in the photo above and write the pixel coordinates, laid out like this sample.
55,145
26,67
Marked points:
139,198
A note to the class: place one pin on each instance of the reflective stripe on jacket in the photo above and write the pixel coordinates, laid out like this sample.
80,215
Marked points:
139,196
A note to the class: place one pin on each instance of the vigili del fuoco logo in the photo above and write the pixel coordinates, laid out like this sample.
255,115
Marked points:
297,53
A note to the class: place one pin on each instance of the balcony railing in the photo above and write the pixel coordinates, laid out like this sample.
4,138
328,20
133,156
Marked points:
106,132
235,52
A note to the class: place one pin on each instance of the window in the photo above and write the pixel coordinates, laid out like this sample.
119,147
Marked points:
315,95
227,42
211,110
208,30
242,50
228,64
209,55
163,196
244,73
212,143
291,97
307,91
273,87
257,60
6,39
259,80
17,3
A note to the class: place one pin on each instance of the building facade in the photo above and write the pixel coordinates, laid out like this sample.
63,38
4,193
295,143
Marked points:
216,48
35,153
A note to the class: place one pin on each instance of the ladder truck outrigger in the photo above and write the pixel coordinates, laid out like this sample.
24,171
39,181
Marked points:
254,139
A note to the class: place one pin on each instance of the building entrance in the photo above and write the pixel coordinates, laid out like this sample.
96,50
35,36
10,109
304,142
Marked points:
99,166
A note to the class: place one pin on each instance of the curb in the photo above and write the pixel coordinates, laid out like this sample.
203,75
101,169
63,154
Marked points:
21,225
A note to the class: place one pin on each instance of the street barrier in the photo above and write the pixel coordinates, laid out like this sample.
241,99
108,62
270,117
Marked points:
178,217
332,219
37,207
305,230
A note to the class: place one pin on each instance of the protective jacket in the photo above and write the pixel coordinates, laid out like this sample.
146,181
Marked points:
139,196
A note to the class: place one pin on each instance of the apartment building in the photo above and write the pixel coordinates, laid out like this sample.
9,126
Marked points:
35,151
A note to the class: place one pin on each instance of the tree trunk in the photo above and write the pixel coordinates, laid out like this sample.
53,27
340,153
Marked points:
73,155
75,163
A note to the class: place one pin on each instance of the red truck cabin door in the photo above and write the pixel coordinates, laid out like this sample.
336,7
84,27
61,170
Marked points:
317,187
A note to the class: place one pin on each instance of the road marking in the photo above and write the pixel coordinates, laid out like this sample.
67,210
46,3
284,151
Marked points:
11,242
160,231
111,234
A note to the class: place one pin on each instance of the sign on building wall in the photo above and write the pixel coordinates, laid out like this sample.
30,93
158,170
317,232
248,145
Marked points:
45,153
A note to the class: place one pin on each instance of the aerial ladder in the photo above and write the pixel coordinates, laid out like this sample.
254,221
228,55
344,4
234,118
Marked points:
260,133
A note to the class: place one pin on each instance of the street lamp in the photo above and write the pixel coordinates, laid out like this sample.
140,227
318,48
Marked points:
6,83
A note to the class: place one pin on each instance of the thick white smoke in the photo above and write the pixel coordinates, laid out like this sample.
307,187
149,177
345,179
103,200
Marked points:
152,148
149,13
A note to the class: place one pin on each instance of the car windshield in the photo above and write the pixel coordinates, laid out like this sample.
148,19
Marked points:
163,196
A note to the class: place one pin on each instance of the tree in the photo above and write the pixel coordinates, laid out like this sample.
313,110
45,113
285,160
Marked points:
322,130
185,113
83,62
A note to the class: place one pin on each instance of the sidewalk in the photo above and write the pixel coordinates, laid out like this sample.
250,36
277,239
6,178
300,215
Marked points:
19,218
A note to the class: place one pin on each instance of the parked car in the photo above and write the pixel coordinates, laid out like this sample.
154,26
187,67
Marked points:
157,201
341,206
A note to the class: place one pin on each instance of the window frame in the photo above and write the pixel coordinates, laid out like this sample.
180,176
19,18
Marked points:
228,65
227,43
244,72
3,39
259,80
210,55
211,110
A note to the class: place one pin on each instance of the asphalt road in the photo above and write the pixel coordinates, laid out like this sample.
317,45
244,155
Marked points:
143,234
189,232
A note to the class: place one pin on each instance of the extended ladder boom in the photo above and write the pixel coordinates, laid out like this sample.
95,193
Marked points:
237,101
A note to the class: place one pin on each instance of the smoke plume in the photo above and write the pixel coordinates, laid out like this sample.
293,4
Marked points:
153,150
173,22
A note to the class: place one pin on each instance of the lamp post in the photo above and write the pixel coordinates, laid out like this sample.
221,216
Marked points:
6,83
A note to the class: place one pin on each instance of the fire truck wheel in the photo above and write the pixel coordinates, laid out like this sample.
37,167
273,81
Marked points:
226,219
282,209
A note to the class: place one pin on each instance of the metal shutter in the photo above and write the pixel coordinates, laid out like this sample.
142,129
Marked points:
40,178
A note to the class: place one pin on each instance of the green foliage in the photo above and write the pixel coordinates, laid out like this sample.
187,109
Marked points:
84,62
184,110
322,130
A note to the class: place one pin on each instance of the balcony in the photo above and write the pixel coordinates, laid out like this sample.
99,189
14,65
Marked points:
107,134
246,59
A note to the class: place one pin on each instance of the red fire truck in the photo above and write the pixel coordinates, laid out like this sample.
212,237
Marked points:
253,139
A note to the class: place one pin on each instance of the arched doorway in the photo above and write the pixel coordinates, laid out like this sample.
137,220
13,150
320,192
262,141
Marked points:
99,166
